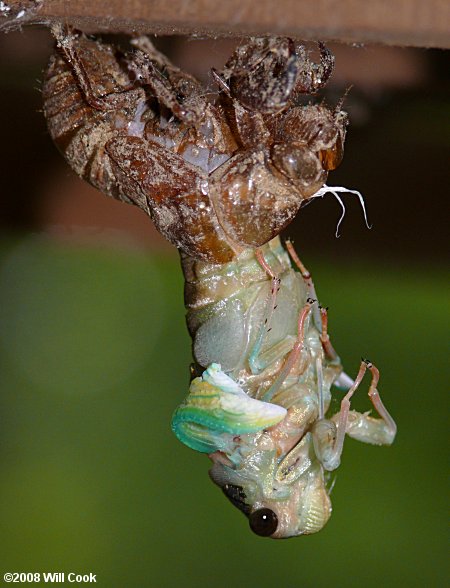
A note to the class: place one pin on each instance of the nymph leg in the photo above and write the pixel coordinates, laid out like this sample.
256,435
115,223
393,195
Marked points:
177,90
329,435
148,74
314,76
86,71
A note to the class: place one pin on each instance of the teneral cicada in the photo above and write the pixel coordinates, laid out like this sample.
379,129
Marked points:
221,176
259,409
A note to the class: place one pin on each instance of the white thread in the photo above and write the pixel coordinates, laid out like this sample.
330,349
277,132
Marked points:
334,190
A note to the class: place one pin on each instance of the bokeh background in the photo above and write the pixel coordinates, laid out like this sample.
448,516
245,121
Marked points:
94,353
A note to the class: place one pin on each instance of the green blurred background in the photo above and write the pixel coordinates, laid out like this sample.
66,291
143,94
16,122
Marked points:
94,358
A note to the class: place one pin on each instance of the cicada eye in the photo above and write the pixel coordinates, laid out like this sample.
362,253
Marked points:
332,157
263,522
301,165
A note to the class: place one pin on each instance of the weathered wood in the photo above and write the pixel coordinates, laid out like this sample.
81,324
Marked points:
419,23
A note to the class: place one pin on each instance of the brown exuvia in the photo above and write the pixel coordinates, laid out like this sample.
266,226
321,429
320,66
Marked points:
216,175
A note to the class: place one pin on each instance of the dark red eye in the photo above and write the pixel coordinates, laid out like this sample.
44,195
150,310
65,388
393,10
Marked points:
263,522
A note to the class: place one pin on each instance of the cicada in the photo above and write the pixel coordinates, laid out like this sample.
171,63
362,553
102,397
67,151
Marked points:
260,408
221,175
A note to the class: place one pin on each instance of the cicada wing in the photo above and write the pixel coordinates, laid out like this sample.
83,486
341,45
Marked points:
217,409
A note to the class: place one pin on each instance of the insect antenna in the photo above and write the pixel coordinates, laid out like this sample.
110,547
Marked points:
340,104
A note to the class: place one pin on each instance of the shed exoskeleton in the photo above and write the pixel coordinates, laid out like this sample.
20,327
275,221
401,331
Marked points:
260,406
217,173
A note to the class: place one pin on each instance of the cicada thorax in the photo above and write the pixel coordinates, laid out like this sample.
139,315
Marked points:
284,155
227,310
253,200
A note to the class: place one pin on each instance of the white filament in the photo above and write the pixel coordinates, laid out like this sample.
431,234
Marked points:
334,190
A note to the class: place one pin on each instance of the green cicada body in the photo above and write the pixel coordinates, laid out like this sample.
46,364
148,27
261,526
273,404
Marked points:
259,407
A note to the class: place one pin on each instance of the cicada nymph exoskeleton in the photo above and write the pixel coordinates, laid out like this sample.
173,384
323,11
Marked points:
217,176
221,177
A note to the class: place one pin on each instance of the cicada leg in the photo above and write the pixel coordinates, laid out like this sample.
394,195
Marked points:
377,431
329,435
86,66
325,338
294,355
258,362
308,283
320,313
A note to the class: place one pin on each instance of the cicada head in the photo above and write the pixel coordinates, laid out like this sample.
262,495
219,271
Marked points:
281,497
309,143
280,488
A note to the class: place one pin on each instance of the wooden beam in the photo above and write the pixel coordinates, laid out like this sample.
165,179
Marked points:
418,23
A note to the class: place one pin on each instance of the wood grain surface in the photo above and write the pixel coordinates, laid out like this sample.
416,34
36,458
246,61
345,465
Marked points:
420,23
